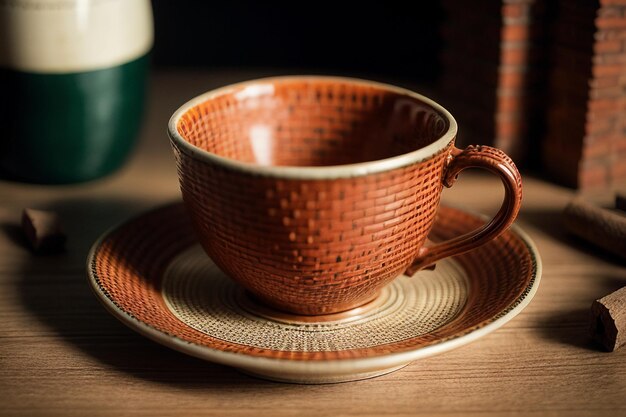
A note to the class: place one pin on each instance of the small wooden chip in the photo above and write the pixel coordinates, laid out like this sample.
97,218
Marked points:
602,227
608,326
43,231
620,200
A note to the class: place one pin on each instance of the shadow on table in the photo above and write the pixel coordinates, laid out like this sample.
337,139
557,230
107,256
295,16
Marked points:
550,222
55,290
14,232
573,327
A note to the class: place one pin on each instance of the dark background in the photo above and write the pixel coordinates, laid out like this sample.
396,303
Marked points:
389,39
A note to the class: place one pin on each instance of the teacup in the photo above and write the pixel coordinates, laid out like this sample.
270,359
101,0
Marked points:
314,192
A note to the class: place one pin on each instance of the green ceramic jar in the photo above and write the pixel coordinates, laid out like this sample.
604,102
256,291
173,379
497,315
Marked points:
73,78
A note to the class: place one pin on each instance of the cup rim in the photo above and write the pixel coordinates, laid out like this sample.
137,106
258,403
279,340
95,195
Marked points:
312,172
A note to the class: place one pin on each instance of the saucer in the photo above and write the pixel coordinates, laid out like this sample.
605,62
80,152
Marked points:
151,274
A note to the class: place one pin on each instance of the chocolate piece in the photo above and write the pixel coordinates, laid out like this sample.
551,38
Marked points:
43,231
608,325
620,200
602,227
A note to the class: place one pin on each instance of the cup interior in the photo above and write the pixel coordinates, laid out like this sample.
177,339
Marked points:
312,121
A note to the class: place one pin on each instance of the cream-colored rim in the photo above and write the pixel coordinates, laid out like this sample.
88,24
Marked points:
317,172
328,368
63,36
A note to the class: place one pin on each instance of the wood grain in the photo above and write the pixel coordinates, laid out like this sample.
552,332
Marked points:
62,354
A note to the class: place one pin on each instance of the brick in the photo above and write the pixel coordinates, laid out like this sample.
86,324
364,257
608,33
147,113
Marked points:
600,127
593,115
596,150
510,128
510,79
603,23
610,11
514,55
604,70
607,59
604,82
602,161
518,32
607,46
610,34
510,103
510,116
606,92
522,20
593,140
605,104
515,11
604,108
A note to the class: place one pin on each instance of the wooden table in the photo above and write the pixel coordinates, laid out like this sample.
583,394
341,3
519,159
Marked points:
61,353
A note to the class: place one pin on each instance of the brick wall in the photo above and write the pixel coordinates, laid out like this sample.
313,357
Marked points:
585,142
521,78
604,143
544,80
493,76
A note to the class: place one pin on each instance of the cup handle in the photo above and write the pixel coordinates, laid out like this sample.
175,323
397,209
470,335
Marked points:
499,163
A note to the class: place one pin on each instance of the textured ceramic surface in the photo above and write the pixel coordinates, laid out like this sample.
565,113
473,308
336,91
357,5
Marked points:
316,192
152,275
